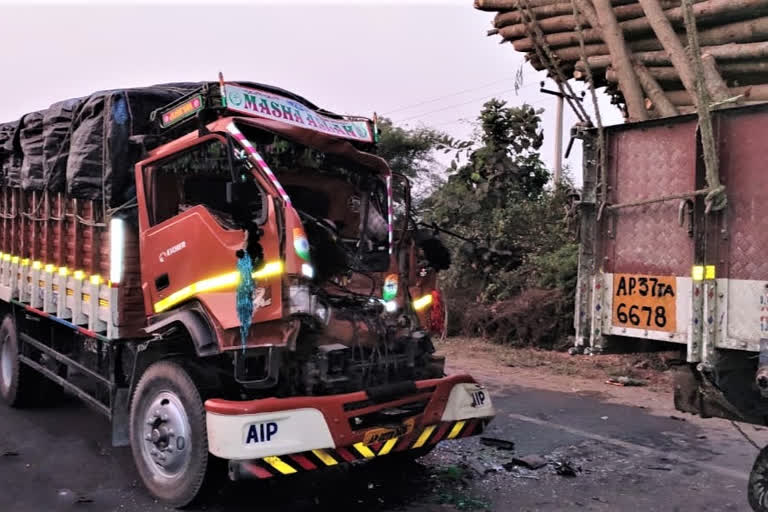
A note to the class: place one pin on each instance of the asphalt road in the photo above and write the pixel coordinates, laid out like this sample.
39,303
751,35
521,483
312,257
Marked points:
625,459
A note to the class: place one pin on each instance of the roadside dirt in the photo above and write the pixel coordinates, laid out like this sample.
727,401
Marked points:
500,366
651,369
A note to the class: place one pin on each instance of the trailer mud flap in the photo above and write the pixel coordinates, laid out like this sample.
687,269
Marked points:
430,435
695,394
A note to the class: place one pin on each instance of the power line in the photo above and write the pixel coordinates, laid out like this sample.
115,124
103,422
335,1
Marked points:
457,121
426,102
460,105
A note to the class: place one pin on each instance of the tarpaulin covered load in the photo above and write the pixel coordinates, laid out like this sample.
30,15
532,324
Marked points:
82,146
10,161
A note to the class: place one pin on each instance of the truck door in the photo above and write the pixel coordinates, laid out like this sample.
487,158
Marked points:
189,236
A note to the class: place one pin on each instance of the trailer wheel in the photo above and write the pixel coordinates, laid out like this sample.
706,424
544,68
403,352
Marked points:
757,490
20,385
168,434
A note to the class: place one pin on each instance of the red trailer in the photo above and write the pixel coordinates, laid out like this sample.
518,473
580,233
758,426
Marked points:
656,265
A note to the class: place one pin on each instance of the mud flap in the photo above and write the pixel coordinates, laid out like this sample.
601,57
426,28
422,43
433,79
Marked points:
120,412
696,394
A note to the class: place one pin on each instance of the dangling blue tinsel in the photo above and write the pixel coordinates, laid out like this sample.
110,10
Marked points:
244,296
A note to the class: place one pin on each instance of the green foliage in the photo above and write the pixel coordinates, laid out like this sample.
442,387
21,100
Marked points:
498,199
411,152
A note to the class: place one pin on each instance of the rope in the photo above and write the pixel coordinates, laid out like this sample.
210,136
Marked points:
716,199
550,61
744,435
672,197
595,105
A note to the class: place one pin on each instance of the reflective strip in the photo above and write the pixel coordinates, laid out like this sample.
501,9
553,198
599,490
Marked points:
325,457
422,302
364,450
424,436
456,429
279,465
388,446
227,280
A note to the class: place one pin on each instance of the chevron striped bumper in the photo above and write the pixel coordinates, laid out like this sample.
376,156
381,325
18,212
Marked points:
282,436
269,467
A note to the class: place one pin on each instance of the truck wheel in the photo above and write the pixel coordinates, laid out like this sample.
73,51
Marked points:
757,488
20,385
168,434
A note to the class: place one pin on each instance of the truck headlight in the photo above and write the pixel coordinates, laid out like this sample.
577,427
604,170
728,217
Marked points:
302,301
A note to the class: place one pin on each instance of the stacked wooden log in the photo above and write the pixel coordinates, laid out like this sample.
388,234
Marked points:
639,49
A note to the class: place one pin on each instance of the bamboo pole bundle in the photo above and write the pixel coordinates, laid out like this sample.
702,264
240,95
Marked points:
730,70
639,48
515,26
722,10
724,52
501,5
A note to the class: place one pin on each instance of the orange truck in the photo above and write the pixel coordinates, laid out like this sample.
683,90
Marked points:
226,271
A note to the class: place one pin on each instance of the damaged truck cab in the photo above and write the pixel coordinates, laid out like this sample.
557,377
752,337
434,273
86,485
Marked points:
259,309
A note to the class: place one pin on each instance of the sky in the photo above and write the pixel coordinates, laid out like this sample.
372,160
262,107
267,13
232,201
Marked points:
420,63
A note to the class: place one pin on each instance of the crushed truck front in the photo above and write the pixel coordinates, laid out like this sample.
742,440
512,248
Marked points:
336,364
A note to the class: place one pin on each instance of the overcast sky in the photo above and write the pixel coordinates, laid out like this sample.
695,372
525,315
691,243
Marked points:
425,64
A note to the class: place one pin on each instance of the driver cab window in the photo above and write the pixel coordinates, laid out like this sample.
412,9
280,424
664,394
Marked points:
196,176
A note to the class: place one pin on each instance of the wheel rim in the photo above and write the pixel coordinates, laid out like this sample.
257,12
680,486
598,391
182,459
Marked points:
6,363
165,444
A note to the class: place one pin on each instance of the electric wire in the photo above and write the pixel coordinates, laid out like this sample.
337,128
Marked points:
458,93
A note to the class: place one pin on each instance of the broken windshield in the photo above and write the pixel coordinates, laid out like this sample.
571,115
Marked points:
339,201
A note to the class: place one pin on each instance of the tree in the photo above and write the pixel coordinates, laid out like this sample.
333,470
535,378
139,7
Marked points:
411,152
497,198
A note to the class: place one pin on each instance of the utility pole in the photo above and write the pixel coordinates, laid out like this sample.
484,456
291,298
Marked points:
559,140
558,130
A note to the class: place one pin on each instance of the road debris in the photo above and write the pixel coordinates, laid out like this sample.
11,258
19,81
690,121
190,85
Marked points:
660,468
10,453
625,381
529,461
501,444
565,467
677,418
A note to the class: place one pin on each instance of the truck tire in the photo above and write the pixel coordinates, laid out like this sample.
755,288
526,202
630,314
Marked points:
757,488
20,385
168,434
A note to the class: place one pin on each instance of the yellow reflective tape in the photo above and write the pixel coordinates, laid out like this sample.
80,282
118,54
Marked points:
96,279
15,259
422,302
273,268
388,446
697,273
456,429
79,275
230,279
6,257
709,272
37,265
63,271
424,436
325,457
25,262
364,450
279,465
50,268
